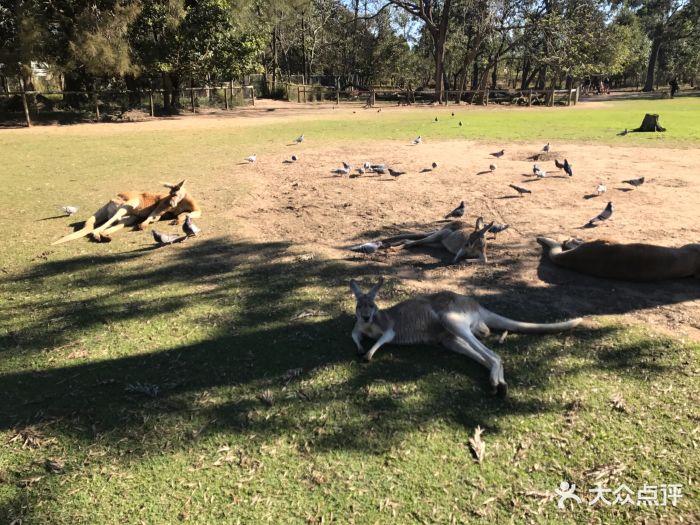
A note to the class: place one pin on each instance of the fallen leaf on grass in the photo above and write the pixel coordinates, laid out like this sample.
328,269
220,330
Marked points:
53,465
618,403
306,313
476,445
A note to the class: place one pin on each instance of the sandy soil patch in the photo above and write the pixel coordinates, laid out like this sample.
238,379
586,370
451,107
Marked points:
322,213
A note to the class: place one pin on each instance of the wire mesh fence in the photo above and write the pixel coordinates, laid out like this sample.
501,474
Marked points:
120,104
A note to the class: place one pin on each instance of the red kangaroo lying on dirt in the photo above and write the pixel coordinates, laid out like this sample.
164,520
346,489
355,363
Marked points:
142,208
627,262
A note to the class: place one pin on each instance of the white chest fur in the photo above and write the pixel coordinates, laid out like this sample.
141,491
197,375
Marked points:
371,330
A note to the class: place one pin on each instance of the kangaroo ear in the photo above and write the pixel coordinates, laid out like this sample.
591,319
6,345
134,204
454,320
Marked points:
355,289
479,223
373,292
181,185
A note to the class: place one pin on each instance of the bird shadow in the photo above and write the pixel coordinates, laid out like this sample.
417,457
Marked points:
243,163
287,161
591,196
509,197
534,179
425,170
485,172
625,190
51,218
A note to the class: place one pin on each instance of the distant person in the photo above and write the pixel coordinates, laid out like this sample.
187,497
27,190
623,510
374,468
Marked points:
606,85
674,86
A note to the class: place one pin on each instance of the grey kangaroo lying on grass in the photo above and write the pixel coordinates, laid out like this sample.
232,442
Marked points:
445,318
628,262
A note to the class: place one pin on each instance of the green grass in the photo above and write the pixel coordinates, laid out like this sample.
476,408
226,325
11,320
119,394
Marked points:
212,324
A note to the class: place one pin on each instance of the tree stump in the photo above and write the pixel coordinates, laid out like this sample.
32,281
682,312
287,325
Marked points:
650,123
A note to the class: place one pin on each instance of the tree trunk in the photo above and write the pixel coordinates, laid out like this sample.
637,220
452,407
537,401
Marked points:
650,124
651,68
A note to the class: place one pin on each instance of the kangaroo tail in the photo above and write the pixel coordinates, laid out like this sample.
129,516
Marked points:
397,239
498,322
87,229
554,246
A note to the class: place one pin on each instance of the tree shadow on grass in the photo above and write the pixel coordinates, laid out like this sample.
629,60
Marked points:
258,349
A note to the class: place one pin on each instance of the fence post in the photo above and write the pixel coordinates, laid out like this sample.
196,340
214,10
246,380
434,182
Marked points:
252,93
298,94
551,98
577,94
192,94
529,99
225,98
150,102
24,103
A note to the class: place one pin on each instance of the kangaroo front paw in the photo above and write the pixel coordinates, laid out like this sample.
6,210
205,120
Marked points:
366,357
502,390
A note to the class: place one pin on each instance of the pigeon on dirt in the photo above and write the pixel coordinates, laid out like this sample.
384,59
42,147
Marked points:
341,171
164,238
545,148
295,157
538,172
568,169
559,165
381,169
252,158
395,173
299,139
368,247
457,212
498,154
519,189
434,165
602,216
69,210
600,189
635,182
418,140
346,165
492,167
498,228
190,228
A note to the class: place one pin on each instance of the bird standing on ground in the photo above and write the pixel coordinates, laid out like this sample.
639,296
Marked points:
294,157
635,182
453,113
558,164
434,165
164,238
568,169
498,228
252,158
498,154
341,171
299,139
395,173
538,172
545,148
346,165
492,167
190,228
460,123
600,189
457,212
69,210
368,247
519,189
418,140
436,119
622,133
602,216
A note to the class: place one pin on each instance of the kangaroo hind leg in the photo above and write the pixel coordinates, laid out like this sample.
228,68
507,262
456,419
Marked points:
98,217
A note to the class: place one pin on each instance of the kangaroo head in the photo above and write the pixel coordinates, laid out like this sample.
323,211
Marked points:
177,193
366,308
475,245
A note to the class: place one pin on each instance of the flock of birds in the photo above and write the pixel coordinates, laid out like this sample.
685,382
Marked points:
190,229
537,171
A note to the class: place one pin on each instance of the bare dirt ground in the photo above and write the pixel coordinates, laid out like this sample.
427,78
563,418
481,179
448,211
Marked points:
324,214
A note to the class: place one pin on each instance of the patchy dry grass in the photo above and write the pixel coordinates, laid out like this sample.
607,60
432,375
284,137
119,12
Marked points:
215,380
